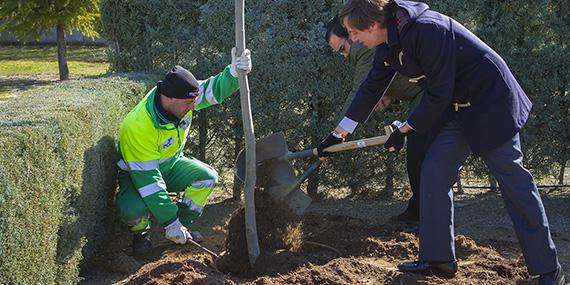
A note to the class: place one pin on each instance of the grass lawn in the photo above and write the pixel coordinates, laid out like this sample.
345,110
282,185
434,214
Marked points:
26,67
35,67
82,60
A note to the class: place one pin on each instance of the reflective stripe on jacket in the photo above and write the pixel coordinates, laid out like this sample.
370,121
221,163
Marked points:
149,146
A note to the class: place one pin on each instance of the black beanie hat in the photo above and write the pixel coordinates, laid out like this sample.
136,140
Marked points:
179,83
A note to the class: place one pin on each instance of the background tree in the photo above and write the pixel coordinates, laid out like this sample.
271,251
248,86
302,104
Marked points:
30,19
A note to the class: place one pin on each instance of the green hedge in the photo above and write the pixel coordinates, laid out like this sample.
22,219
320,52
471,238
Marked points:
58,174
150,35
298,86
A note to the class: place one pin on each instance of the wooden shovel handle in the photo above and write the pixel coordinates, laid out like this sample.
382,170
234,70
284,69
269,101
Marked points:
359,143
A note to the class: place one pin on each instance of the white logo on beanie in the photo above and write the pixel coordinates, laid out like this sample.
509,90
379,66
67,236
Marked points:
193,94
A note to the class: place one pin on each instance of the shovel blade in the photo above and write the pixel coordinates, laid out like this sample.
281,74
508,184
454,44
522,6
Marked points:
283,186
296,200
279,180
276,176
272,146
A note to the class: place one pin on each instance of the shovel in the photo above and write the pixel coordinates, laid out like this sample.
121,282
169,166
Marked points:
276,174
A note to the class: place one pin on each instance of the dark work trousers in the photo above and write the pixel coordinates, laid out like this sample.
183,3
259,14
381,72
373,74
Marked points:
415,151
445,156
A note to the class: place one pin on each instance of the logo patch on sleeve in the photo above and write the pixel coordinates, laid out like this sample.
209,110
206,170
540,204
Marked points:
168,142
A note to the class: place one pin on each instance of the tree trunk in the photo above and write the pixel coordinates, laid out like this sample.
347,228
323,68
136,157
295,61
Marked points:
61,53
561,173
389,189
117,53
202,134
314,112
313,185
459,184
493,183
238,140
313,181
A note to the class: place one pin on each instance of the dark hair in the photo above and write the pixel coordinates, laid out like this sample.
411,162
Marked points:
335,27
362,13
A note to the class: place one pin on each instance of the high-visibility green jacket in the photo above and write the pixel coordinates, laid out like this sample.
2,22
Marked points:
150,145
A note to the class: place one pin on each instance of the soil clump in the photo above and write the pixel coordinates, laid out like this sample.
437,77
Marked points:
278,230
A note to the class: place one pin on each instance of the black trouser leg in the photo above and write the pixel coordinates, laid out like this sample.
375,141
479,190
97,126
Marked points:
415,153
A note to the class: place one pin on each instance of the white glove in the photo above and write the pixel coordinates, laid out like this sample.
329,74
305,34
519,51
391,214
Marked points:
177,233
242,62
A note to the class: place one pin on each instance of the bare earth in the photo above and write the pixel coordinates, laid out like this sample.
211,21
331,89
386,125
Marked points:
343,242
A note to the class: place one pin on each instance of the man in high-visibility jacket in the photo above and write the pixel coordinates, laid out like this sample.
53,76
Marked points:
151,144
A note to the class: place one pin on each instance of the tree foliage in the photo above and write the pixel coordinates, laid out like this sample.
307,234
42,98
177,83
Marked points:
30,19
151,35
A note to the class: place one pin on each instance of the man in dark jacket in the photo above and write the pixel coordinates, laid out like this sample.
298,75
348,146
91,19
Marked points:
361,57
472,102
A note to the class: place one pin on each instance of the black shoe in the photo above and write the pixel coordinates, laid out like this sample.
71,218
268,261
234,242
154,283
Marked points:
406,217
553,278
443,269
141,244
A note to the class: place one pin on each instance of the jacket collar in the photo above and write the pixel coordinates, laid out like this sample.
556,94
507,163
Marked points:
163,114
393,35
404,16
157,119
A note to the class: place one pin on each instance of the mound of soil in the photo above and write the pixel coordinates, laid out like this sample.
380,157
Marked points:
341,250
277,228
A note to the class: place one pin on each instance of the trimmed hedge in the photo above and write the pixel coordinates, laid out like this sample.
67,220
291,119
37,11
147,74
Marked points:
298,86
58,175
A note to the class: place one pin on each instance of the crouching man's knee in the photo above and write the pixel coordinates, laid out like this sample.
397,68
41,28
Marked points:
132,210
136,217
195,198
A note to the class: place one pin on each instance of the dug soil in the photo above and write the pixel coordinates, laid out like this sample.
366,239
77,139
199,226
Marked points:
329,245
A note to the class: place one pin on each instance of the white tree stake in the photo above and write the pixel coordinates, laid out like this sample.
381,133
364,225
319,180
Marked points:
250,176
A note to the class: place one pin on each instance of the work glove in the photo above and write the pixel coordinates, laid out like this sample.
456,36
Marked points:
177,233
328,141
242,62
397,139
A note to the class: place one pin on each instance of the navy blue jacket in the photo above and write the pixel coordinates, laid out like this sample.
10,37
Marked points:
452,65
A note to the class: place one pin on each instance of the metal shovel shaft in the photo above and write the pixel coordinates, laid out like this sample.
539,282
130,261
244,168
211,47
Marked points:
298,154
305,175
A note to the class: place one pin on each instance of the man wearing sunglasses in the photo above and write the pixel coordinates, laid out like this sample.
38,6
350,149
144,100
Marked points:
401,88
152,165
